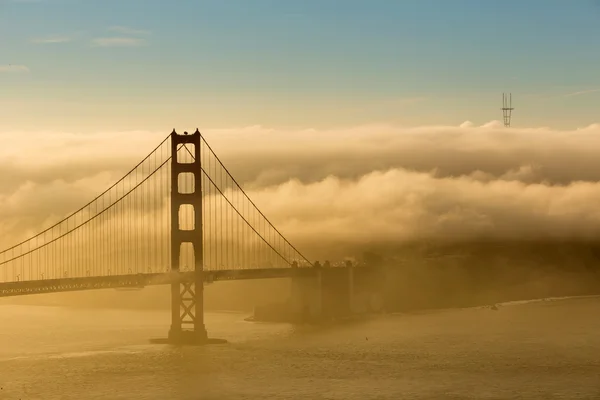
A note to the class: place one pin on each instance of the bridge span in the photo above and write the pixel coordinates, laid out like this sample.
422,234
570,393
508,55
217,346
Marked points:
177,218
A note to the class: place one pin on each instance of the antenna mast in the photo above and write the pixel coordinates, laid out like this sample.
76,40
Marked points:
507,108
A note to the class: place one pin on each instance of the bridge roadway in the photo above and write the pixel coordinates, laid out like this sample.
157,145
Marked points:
20,288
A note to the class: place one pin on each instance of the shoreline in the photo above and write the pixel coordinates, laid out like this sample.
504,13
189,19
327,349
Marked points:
419,310
250,317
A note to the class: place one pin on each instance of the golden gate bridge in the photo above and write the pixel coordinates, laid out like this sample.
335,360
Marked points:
178,218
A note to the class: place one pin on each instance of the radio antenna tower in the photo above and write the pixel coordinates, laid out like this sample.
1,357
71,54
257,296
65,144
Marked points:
507,108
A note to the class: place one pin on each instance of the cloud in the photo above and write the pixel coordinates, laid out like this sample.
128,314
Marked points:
342,187
122,41
118,42
128,31
13,68
51,40
582,92
402,205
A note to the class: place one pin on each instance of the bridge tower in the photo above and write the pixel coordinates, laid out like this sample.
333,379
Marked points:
187,298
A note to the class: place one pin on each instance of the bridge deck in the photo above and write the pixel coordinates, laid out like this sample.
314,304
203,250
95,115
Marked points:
8,289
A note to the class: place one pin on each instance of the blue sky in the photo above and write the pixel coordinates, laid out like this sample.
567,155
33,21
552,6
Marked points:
150,64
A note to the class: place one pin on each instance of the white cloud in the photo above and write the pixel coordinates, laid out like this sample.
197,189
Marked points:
350,187
492,124
122,41
51,40
13,68
579,93
128,31
118,42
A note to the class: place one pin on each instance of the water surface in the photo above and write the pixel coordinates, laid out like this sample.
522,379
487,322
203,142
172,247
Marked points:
528,350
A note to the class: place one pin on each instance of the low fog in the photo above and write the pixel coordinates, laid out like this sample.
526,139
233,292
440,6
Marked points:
403,195
356,185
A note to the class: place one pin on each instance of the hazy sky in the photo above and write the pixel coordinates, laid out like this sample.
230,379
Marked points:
77,65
